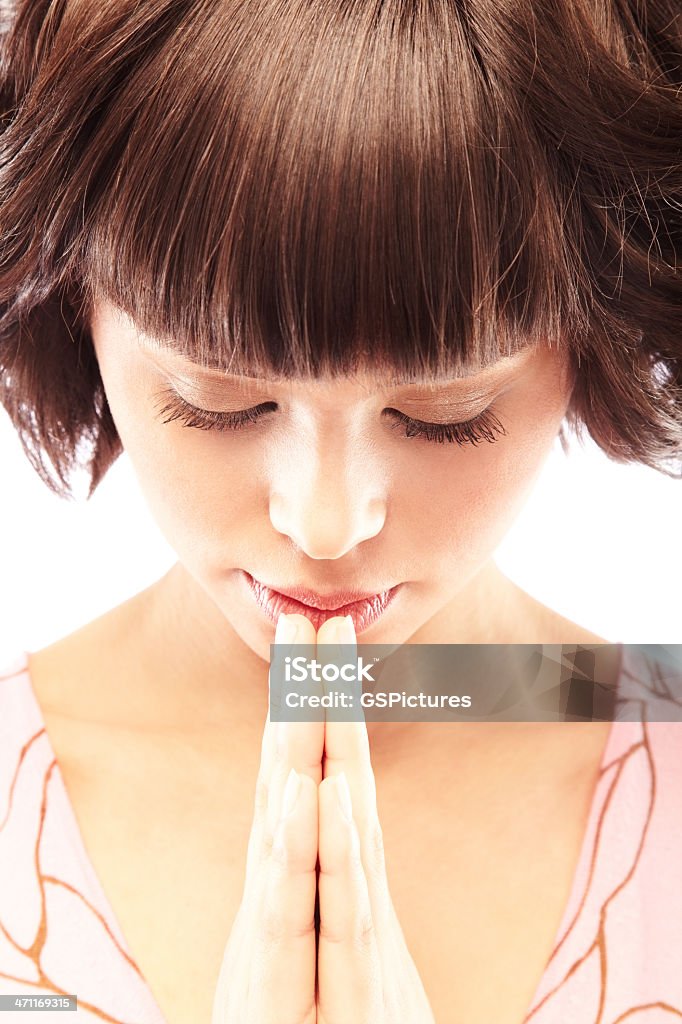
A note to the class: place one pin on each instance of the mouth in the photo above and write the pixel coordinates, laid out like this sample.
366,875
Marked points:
364,610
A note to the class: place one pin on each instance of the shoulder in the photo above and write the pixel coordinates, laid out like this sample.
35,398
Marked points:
650,683
535,622
24,749
554,628
649,721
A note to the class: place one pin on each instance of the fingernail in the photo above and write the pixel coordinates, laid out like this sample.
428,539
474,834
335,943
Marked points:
291,791
343,793
287,629
344,630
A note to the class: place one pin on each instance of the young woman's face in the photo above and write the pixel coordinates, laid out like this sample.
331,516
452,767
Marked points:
326,490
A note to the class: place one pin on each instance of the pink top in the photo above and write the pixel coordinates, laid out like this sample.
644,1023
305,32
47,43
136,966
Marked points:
617,956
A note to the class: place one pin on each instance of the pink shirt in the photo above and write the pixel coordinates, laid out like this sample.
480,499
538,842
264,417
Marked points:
617,956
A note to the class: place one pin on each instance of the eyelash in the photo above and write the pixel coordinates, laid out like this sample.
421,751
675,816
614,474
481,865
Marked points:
483,427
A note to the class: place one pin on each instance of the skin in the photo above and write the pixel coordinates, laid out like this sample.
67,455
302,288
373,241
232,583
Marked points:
172,684
326,493
362,970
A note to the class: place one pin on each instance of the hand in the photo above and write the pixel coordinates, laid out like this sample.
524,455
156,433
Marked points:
365,972
268,970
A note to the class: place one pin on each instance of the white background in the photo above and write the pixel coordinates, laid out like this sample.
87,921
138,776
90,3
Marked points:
597,541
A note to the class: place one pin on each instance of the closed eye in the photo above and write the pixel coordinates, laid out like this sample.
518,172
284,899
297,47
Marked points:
484,427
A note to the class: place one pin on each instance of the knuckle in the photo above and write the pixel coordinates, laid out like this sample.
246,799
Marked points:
277,926
289,857
332,935
360,931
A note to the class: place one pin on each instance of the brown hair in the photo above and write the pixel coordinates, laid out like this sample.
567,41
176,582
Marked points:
303,187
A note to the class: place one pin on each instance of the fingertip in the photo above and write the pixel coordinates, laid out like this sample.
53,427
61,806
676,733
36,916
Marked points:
305,631
296,833
292,789
336,806
299,795
338,630
307,782
327,788
308,792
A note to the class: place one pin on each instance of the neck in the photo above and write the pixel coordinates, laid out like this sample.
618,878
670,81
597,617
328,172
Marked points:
201,663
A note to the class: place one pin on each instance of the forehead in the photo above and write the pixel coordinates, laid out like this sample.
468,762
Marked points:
112,322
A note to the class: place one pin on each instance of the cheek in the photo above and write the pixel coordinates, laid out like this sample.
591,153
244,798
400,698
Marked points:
462,503
451,504
199,486
196,483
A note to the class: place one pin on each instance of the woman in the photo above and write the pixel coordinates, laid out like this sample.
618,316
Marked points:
334,278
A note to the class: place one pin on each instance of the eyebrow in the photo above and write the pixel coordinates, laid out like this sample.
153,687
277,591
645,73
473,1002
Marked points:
214,370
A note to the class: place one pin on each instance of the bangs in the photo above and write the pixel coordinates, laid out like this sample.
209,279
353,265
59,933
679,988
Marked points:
311,188
305,189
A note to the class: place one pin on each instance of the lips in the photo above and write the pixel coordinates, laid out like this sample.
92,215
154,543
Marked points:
363,608
326,602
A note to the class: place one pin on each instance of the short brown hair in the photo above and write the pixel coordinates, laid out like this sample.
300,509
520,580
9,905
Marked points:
297,188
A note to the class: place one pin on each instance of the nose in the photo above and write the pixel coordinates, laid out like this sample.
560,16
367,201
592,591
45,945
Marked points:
327,505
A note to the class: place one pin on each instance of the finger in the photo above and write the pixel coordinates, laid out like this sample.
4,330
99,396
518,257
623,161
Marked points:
275,852
346,746
346,749
299,752
264,977
348,962
295,744
292,631
282,955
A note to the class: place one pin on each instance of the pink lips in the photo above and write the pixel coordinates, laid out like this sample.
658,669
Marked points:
364,609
